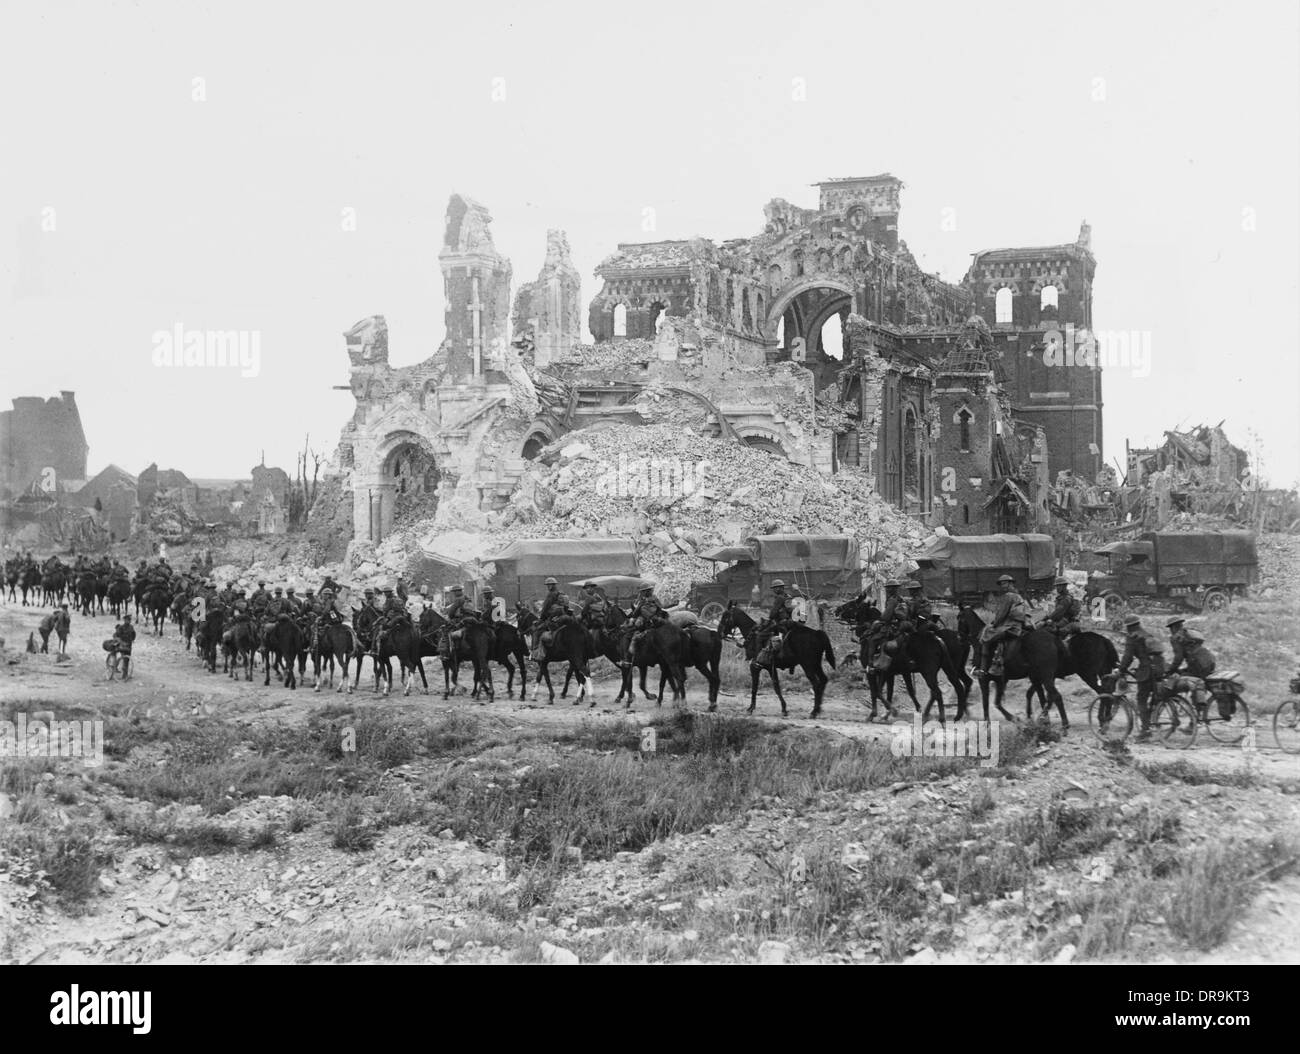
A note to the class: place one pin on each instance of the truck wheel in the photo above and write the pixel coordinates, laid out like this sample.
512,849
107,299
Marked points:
1115,603
711,612
1215,600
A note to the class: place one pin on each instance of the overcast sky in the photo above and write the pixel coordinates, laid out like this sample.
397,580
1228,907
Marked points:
1172,128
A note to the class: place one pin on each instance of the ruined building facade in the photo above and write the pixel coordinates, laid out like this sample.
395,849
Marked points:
819,339
39,435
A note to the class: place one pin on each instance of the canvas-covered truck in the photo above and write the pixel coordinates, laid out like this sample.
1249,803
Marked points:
815,566
1197,569
522,567
966,568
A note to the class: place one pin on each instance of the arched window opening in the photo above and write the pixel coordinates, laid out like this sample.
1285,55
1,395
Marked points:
965,515
964,418
620,320
780,333
1047,300
911,456
832,338
657,313
1002,306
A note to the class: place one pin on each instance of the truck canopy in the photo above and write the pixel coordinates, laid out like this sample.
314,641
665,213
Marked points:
567,557
792,553
1204,557
1033,553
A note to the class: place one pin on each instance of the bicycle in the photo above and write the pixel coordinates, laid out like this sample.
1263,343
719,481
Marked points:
1286,720
1174,722
113,661
1218,702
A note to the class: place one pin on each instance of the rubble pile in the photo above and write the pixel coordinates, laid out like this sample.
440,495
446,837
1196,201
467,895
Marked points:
678,494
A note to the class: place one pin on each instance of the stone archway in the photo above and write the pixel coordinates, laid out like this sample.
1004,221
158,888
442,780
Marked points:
403,472
800,312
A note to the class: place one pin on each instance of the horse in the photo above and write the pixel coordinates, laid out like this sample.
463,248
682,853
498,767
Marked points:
510,646
54,583
11,579
570,644
285,640
119,594
209,636
156,603
334,641
803,647
663,646
857,612
86,593
238,642
28,582
401,642
928,654
1036,655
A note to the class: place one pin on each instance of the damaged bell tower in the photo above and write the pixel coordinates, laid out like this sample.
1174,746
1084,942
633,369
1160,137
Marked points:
476,282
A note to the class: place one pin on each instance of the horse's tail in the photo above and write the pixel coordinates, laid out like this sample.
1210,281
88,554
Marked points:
828,650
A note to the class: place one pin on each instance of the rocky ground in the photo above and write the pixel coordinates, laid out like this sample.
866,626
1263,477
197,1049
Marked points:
228,825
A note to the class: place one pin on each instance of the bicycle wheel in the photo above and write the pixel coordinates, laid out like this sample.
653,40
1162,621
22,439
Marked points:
1230,729
1286,726
1114,726
1173,722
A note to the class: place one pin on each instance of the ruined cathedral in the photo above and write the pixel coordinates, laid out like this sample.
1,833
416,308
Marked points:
819,339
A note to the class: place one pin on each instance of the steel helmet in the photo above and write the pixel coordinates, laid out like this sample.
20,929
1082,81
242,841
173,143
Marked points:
912,583
552,582
778,584
454,589
1062,582
1178,620
1006,578
1132,620
893,583
488,591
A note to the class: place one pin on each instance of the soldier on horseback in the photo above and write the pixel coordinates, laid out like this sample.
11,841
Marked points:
772,629
887,625
291,603
1009,616
595,606
554,609
394,613
1064,617
457,612
366,617
920,614
258,601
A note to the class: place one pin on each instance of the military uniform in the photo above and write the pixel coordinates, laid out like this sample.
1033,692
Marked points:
887,625
258,601
1064,617
919,611
1009,615
777,621
366,617
1143,647
595,606
1190,651
457,611
124,634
